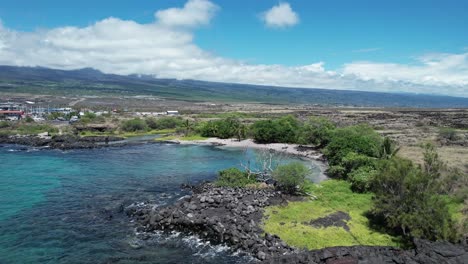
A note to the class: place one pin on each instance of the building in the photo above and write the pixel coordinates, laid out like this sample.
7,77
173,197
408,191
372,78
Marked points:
11,114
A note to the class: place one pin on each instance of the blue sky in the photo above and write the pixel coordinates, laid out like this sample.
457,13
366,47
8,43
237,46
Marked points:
334,33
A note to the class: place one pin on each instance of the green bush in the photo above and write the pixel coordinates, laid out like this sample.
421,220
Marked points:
361,178
336,172
233,177
353,161
29,119
407,199
291,177
4,124
448,133
90,115
265,131
164,122
283,130
34,129
317,131
224,128
134,125
360,139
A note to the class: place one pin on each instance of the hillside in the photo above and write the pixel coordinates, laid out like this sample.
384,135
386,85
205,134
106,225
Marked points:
38,80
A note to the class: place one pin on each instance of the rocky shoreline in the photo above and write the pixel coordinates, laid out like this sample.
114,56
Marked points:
232,216
63,142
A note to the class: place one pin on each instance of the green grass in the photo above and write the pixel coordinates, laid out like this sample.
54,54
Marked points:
144,133
332,196
29,129
183,138
127,134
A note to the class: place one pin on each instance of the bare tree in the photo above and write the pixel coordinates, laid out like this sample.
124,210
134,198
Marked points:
266,161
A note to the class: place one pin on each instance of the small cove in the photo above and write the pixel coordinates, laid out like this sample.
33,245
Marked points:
66,207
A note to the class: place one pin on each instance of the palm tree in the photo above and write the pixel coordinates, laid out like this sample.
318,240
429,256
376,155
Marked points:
388,149
188,126
240,131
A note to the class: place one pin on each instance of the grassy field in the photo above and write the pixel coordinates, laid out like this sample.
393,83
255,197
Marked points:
454,156
29,129
291,222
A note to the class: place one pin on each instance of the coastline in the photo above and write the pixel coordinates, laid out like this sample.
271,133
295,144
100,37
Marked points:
303,152
233,217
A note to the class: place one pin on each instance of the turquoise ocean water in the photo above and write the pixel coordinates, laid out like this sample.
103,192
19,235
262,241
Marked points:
66,207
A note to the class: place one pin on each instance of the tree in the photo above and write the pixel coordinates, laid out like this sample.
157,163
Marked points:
241,132
163,122
388,149
188,126
291,177
317,131
360,139
134,125
265,131
283,130
406,198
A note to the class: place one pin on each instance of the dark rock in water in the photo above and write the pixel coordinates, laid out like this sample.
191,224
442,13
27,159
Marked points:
232,215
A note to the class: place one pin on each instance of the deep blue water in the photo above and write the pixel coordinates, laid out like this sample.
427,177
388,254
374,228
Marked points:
65,207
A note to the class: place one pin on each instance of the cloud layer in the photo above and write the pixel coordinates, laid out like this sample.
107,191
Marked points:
165,48
280,16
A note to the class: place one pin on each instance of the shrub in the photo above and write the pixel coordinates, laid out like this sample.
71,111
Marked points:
353,161
361,178
291,177
317,131
164,122
336,171
283,130
4,124
448,133
133,125
34,129
224,128
407,199
265,131
233,177
388,149
360,139
90,115
29,119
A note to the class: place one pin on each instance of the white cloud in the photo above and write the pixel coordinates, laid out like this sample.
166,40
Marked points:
165,48
280,16
194,13
443,70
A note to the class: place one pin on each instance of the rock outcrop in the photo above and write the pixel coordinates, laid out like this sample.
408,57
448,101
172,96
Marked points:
60,141
232,216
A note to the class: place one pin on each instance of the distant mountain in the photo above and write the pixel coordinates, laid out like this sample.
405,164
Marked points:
87,81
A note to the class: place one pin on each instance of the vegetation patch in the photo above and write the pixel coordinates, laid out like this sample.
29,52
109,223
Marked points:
182,138
233,177
292,222
30,129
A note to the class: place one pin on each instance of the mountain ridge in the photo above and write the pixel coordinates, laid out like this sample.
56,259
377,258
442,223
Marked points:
89,81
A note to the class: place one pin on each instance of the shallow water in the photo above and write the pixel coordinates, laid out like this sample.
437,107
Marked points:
66,207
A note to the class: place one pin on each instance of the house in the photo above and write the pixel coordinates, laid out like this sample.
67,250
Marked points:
11,114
